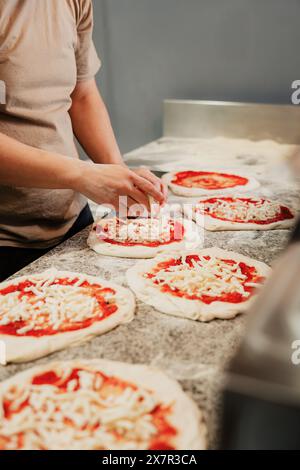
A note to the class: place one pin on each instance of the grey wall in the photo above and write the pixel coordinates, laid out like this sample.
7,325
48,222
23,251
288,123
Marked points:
193,49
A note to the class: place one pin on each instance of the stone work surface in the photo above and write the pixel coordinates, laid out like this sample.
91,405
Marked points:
192,352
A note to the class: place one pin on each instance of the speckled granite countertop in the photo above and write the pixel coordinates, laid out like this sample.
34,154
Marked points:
192,352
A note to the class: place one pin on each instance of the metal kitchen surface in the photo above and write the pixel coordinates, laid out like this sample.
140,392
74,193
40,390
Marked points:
192,352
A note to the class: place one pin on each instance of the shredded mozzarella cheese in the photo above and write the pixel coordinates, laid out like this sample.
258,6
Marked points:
51,306
239,209
82,419
137,230
207,277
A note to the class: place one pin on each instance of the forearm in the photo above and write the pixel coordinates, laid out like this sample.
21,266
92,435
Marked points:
92,126
25,166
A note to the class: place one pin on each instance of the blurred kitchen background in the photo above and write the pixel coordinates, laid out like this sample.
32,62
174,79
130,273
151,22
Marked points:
240,50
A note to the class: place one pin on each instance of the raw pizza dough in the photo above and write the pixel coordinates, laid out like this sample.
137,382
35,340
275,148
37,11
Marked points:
205,280
138,232
97,405
240,213
66,305
240,182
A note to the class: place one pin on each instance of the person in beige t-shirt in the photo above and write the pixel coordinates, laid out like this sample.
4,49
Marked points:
47,66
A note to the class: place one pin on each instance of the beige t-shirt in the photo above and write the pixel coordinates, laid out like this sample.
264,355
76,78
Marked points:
46,47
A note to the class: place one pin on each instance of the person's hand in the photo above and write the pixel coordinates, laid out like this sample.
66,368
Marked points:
157,182
105,184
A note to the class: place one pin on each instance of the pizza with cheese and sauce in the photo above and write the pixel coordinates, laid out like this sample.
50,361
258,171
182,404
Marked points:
46,312
241,213
200,285
97,405
194,183
143,237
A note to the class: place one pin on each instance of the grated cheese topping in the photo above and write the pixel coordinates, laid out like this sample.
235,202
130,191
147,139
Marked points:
49,305
144,230
203,276
87,414
244,210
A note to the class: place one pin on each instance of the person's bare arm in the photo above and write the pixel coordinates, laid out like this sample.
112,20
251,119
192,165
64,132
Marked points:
26,166
92,126
93,129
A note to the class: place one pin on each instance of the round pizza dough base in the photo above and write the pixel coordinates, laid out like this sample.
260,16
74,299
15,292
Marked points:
216,225
191,430
186,308
192,240
195,192
28,348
